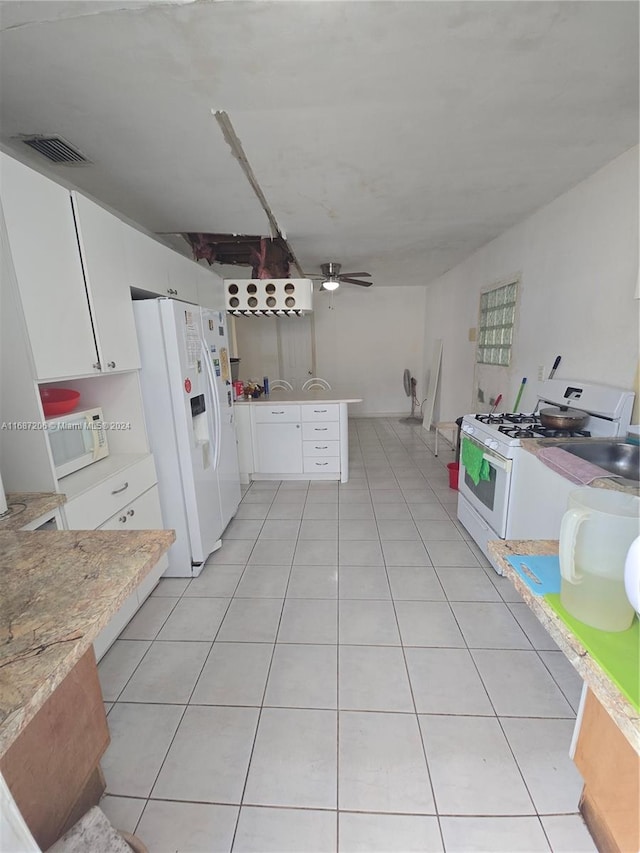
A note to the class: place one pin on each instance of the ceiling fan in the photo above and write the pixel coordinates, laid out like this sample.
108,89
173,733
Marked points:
332,277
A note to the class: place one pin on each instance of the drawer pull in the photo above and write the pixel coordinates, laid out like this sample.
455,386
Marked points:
323,447
277,413
117,491
322,463
319,411
321,429
123,519
131,512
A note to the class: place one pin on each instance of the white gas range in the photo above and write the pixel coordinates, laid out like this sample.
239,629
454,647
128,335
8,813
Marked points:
522,498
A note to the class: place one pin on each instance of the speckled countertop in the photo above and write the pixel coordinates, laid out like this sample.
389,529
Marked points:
25,507
622,712
59,590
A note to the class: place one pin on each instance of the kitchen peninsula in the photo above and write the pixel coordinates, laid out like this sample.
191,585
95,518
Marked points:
296,435
59,590
606,742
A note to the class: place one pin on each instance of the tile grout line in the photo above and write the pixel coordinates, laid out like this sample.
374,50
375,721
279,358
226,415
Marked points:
264,692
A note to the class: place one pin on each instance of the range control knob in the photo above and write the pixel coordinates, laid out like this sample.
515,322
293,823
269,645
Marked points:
468,429
492,443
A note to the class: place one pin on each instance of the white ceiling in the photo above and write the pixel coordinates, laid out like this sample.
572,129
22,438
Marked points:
394,137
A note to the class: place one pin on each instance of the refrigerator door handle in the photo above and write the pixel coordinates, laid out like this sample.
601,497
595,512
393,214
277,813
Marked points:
211,382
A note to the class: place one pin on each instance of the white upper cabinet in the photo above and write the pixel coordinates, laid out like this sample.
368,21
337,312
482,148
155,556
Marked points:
102,244
210,289
44,250
183,281
68,255
156,269
146,262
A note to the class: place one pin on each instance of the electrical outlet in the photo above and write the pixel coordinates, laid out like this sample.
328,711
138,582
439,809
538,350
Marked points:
542,372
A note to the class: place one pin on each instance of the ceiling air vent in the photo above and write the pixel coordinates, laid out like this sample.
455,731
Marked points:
55,149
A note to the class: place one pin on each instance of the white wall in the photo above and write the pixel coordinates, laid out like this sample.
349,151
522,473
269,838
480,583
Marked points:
364,341
577,259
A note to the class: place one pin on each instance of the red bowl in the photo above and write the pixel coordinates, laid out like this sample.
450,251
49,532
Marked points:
58,401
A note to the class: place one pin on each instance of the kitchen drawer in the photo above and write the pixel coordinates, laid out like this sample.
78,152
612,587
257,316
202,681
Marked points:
322,466
92,508
321,412
329,431
276,414
320,448
143,513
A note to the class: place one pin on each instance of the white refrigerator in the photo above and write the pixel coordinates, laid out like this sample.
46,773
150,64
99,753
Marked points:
188,403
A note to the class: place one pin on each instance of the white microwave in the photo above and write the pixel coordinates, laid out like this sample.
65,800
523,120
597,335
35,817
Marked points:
76,440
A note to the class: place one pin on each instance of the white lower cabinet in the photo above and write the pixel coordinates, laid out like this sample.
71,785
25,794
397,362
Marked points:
302,441
141,514
127,500
91,508
279,448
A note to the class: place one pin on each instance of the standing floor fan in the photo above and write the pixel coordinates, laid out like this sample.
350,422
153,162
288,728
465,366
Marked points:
409,383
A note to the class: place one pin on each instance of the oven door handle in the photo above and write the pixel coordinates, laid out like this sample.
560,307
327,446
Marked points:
498,461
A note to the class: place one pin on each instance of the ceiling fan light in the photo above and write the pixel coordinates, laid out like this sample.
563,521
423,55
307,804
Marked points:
331,284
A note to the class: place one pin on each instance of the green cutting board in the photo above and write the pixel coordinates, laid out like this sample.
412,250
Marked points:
618,653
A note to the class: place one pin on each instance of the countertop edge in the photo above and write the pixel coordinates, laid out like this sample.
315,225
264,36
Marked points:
295,400
34,506
16,720
618,706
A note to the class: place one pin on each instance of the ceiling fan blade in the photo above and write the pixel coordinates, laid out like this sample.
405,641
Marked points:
353,274
355,281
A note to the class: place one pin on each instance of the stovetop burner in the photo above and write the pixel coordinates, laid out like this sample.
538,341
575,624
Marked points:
536,430
526,425
508,418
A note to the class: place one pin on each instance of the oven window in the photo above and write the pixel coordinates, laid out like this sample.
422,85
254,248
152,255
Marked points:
485,491
495,328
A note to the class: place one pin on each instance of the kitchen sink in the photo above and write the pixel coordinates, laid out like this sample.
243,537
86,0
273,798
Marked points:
616,457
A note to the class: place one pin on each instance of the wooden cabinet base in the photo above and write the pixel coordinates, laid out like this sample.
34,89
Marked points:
52,769
610,767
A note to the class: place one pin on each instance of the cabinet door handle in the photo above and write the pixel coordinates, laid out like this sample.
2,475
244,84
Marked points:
121,489
172,292
131,512
97,365
111,364
123,519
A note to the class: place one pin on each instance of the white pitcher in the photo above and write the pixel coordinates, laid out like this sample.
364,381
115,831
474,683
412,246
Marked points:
595,535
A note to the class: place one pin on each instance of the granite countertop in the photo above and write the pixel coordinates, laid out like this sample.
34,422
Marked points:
25,507
298,397
615,484
59,590
620,709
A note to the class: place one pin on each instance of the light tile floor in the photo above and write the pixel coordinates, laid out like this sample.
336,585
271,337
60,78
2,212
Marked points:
347,673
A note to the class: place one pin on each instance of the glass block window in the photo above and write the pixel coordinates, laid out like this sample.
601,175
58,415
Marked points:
495,329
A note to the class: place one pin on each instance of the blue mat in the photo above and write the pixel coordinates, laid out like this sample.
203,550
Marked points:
545,569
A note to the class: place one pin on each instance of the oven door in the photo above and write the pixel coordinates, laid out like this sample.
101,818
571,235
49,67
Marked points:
489,497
